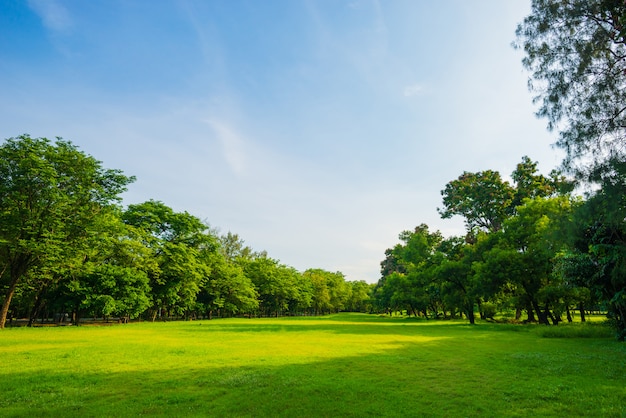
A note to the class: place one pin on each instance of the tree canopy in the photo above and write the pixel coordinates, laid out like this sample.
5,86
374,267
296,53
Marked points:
576,53
52,197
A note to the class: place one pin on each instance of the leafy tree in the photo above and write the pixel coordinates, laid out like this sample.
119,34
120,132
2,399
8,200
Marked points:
51,195
338,289
597,256
382,294
320,298
177,241
485,200
303,297
576,52
529,184
276,284
525,253
227,289
407,293
233,248
413,285
360,296
454,273
481,198
104,290
110,276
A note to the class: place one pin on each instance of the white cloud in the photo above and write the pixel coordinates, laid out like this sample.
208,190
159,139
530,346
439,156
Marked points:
52,13
412,90
232,145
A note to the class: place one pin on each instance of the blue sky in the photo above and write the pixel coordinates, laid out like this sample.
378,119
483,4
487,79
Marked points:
316,130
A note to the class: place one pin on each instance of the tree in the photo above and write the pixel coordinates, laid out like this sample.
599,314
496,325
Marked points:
576,52
51,195
177,241
525,253
412,285
233,248
454,272
276,284
227,289
529,184
597,255
109,277
338,290
360,296
320,297
481,198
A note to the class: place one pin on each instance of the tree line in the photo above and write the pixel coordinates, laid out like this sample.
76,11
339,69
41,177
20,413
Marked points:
531,245
68,249
505,261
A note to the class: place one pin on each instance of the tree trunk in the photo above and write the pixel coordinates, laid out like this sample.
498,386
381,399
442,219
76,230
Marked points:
620,318
76,315
542,317
36,308
555,319
470,314
569,314
482,314
7,301
530,312
581,308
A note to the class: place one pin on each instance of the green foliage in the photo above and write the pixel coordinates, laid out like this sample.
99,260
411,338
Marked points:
576,52
360,296
486,201
481,198
52,198
488,310
508,257
68,250
596,259
178,242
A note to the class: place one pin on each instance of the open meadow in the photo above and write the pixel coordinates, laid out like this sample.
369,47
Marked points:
345,365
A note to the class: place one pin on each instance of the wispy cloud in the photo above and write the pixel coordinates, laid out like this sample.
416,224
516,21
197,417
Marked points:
232,145
412,90
54,16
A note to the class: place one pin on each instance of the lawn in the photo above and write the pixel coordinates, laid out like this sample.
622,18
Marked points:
345,365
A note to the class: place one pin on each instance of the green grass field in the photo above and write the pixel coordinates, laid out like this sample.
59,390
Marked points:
346,365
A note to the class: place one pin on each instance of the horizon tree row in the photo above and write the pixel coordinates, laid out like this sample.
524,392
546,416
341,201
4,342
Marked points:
67,247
